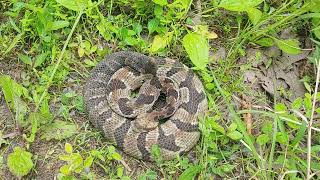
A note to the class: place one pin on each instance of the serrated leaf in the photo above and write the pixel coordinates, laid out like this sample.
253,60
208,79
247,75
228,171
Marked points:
197,48
20,162
75,5
58,130
290,46
263,139
239,5
160,2
26,59
266,42
58,25
68,148
235,135
190,173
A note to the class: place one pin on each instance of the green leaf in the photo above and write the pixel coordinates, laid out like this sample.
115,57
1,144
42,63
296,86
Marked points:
75,5
20,162
26,59
88,162
297,103
262,139
58,130
12,92
65,169
160,42
14,42
232,127
290,46
58,25
217,127
68,148
160,2
235,135
254,15
239,5
153,25
116,156
280,108
282,138
197,48
190,173
40,59
120,171
266,42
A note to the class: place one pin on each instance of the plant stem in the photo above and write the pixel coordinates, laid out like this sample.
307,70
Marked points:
59,60
309,143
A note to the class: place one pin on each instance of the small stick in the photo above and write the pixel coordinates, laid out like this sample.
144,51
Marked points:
310,123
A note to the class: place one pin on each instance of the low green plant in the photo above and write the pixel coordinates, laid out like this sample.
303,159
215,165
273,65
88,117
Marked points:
20,162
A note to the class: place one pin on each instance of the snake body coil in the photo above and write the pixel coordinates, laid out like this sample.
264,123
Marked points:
167,90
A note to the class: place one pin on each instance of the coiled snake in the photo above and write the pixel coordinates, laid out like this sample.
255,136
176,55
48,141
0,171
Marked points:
164,112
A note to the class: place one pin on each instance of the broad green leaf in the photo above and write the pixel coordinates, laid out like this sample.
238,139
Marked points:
58,130
12,91
297,103
290,46
197,48
68,148
65,169
282,138
88,162
232,127
160,42
160,2
58,25
116,156
149,175
20,162
120,171
75,5
266,42
40,59
263,139
26,59
153,25
280,108
239,5
190,173
254,15
235,135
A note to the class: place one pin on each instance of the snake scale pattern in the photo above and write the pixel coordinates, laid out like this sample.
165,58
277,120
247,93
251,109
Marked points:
139,101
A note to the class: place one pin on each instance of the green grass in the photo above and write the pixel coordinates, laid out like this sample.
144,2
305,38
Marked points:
47,49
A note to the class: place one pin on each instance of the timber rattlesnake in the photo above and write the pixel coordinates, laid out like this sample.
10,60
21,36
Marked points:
168,90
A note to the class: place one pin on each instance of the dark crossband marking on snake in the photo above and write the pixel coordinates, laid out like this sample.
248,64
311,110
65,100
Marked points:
128,95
